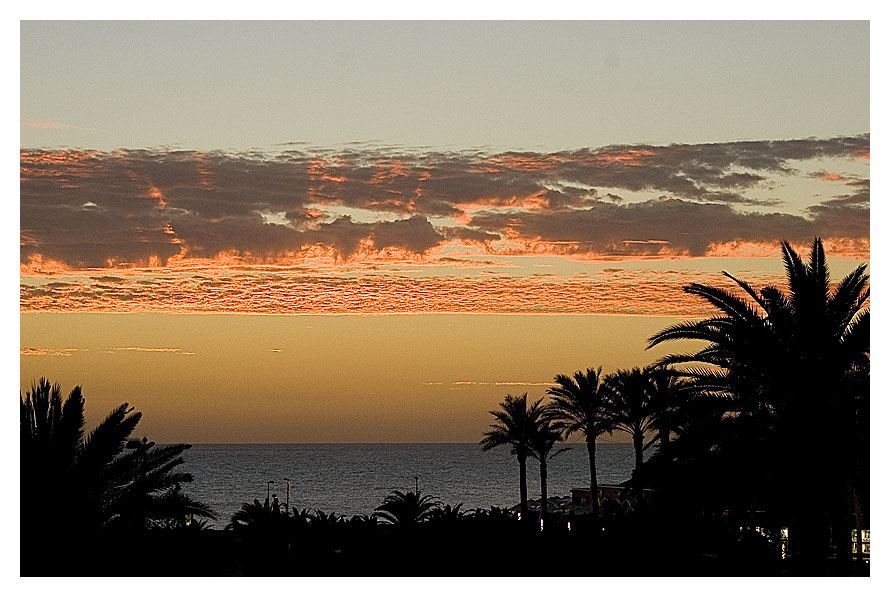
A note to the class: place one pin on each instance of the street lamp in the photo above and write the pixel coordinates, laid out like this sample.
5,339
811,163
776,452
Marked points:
287,497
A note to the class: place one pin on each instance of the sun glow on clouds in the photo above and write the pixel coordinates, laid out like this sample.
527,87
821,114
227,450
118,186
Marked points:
369,231
285,292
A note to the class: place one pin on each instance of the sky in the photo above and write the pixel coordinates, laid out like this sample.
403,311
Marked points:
373,231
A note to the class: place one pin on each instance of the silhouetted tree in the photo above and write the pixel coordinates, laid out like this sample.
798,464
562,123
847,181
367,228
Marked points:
407,509
256,518
74,486
629,393
516,425
579,405
448,514
542,442
787,360
669,391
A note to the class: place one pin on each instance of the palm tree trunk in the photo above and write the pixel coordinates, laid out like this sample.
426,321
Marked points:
523,489
543,492
594,498
638,450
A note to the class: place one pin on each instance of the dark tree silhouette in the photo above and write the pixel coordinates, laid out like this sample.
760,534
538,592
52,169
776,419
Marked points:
579,405
516,425
542,442
407,509
629,394
670,391
790,362
449,514
257,518
73,484
75,488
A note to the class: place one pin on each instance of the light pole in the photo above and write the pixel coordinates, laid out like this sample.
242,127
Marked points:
268,489
287,496
416,487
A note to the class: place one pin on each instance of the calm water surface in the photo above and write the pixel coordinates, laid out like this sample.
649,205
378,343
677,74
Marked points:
354,478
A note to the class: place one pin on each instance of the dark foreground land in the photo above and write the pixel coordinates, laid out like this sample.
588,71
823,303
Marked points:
465,547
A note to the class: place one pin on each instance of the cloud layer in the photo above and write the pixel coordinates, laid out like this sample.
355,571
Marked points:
613,291
87,209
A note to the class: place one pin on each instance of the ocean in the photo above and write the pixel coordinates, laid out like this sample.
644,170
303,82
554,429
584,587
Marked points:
353,479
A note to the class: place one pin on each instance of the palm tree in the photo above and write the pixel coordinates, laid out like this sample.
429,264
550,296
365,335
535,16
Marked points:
670,390
407,509
542,442
516,425
786,360
629,394
148,489
579,405
73,485
449,514
257,518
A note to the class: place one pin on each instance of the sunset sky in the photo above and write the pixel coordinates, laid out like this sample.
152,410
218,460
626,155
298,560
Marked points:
373,231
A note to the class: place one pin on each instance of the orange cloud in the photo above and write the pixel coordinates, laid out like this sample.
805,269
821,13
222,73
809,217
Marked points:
833,176
614,291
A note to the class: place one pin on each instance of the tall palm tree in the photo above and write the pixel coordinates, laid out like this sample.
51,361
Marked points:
629,395
542,442
579,405
517,423
73,485
786,358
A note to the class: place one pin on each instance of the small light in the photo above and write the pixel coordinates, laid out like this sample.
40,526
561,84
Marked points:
569,526
785,533
519,516
542,524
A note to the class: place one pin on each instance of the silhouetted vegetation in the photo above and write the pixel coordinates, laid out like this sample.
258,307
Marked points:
517,423
78,491
779,425
579,405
